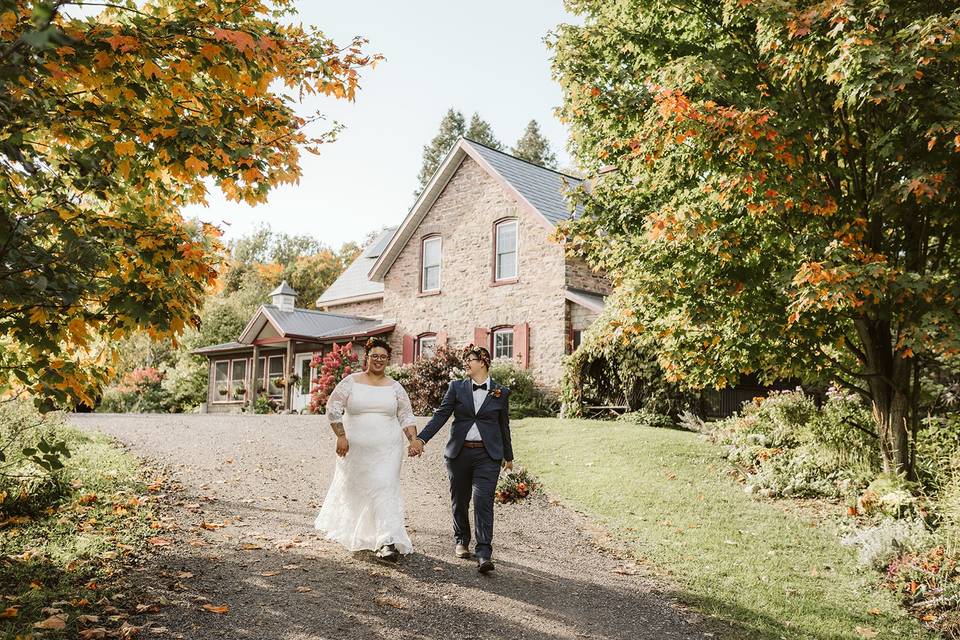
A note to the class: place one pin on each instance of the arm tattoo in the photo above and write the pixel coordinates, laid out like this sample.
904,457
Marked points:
338,429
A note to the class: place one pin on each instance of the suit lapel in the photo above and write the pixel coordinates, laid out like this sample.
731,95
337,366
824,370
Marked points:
468,391
493,385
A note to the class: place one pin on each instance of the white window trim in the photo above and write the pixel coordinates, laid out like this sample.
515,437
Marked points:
423,264
214,387
516,250
426,336
266,371
493,342
244,381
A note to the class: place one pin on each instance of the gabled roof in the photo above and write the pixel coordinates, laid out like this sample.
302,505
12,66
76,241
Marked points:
537,188
310,324
220,348
354,283
592,301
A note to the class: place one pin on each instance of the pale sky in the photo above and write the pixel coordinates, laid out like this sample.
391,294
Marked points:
487,57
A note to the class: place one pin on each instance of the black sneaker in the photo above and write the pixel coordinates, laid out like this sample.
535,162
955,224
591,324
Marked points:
484,565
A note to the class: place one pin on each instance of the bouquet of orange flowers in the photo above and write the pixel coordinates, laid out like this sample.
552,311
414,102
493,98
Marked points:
515,486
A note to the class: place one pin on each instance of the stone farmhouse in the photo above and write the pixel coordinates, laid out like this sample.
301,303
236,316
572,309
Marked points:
472,262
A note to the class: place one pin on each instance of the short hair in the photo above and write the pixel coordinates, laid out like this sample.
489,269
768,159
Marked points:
373,343
481,354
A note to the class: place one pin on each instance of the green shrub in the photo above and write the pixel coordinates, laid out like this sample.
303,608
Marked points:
526,399
184,385
648,418
938,451
427,379
32,455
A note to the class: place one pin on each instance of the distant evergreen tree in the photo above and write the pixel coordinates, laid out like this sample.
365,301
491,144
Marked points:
480,131
533,147
451,127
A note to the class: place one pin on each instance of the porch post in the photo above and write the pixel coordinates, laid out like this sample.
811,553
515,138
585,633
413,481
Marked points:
252,395
288,388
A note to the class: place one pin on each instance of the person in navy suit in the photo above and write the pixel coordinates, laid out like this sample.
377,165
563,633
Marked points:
478,446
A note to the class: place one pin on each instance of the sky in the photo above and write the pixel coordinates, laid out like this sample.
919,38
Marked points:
488,57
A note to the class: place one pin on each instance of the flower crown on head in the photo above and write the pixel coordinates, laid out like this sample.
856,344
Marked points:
480,352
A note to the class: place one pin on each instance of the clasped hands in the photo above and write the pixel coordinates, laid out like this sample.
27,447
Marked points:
415,448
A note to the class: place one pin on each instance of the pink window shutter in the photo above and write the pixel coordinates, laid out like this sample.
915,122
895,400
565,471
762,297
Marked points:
481,337
407,355
441,339
521,344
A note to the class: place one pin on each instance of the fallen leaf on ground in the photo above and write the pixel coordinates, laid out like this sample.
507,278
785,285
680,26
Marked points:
93,634
57,622
209,526
250,546
303,589
268,574
50,611
148,608
9,612
158,630
85,619
291,566
216,609
874,611
390,602
158,541
184,575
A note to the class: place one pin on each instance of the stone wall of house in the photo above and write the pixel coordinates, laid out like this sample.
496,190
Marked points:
581,276
366,308
464,216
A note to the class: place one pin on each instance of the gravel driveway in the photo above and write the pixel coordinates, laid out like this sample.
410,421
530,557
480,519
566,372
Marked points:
255,483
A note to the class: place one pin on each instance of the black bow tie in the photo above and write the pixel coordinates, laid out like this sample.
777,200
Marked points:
480,386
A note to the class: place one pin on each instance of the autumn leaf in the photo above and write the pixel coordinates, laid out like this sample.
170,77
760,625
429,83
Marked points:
158,541
54,622
93,634
9,612
217,609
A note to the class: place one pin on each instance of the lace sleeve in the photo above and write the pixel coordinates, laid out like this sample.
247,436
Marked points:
404,409
337,401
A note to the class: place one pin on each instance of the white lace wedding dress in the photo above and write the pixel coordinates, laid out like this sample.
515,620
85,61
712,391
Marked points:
364,506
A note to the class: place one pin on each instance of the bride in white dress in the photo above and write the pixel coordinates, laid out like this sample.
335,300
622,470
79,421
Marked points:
370,413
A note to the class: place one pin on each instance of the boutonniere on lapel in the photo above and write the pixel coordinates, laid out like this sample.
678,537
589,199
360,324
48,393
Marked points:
496,393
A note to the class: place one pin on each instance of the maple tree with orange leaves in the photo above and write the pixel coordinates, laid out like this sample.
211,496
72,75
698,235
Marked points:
111,124
778,189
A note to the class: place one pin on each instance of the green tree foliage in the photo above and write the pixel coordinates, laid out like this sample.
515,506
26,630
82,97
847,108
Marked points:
786,189
110,125
535,148
481,131
452,127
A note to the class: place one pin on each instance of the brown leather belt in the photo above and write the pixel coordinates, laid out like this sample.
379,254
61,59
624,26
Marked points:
471,444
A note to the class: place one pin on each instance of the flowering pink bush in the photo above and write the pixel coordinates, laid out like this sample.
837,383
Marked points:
332,368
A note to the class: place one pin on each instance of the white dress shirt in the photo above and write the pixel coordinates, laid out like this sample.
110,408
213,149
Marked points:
479,395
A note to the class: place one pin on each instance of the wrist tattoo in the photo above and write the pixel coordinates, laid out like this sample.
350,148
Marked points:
338,429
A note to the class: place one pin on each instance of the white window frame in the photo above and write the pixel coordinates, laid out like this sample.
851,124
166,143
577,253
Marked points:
503,331
274,391
424,266
497,276
428,338
233,380
214,391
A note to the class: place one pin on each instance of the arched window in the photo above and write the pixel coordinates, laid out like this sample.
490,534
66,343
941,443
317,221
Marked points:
426,345
502,343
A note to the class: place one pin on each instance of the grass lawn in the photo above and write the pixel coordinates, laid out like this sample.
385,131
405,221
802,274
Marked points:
771,572
61,566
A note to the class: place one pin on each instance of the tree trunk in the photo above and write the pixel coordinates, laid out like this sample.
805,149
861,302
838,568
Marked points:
889,382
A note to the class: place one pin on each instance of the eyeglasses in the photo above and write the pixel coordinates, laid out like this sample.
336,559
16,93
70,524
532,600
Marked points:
379,357
472,360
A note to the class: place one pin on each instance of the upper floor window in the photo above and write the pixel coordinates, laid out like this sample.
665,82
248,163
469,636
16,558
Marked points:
426,345
505,250
430,273
503,343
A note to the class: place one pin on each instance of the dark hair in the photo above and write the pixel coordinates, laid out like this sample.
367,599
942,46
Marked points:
480,353
373,343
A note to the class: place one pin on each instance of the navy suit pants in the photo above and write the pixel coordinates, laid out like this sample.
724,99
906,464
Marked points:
474,474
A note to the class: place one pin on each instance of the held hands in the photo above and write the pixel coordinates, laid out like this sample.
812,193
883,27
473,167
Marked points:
508,465
342,446
416,448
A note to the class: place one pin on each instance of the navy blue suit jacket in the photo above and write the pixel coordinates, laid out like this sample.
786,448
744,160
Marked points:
493,419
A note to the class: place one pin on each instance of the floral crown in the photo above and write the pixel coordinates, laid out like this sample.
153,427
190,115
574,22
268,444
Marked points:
480,352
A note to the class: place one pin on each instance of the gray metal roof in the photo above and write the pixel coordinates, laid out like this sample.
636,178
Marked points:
318,324
216,348
543,188
355,281
284,289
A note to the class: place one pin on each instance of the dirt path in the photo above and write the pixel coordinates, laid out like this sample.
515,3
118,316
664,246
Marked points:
264,477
